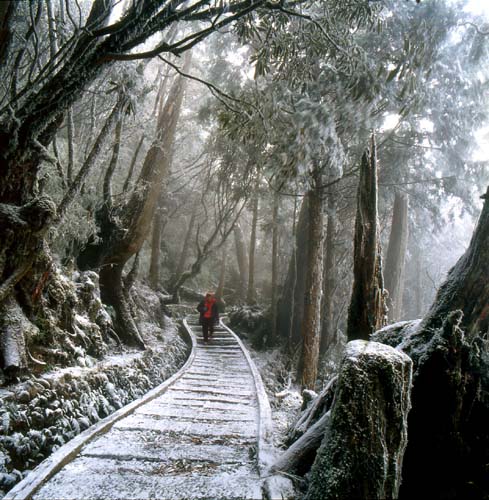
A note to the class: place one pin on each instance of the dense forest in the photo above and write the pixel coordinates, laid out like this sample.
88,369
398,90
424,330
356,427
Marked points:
320,165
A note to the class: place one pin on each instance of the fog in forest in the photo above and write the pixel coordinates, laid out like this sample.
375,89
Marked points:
319,166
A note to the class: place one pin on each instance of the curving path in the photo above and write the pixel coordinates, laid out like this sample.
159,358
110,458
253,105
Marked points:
204,433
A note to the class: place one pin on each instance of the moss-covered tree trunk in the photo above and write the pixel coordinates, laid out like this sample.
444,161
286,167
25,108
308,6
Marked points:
112,292
311,322
396,256
448,449
366,313
362,450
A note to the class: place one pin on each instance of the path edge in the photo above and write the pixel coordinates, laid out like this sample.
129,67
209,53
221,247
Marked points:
266,450
26,488
275,486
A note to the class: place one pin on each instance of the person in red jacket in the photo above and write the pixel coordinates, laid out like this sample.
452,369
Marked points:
209,315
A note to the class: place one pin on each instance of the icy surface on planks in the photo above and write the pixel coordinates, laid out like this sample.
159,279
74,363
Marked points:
197,440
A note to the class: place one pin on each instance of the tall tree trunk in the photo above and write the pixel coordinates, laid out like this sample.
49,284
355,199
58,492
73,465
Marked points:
122,237
396,256
82,174
419,296
311,321
112,292
328,330
222,274
273,334
107,186
251,293
366,313
130,172
291,303
155,264
185,249
70,131
7,12
242,260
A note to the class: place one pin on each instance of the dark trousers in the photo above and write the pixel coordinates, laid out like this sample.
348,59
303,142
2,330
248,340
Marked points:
207,328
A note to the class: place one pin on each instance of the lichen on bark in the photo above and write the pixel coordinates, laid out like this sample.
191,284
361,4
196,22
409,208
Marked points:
362,450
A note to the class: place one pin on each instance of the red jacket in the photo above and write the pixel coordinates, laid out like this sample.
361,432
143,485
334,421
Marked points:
208,310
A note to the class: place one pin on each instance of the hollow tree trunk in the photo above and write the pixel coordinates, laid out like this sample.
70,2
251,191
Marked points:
396,255
251,293
367,305
328,330
242,260
291,303
310,328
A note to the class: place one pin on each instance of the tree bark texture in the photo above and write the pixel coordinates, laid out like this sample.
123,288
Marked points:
362,450
396,256
85,169
466,287
448,449
130,171
155,259
311,321
251,293
222,273
275,235
366,313
242,258
107,185
112,292
291,302
7,11
328,330
299,457
185,248
123,229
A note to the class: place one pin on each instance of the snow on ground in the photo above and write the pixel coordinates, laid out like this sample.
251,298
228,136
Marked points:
284,396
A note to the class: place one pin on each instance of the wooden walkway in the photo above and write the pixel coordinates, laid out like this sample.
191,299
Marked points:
204,433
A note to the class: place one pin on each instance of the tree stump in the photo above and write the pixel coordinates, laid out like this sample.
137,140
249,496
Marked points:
362,450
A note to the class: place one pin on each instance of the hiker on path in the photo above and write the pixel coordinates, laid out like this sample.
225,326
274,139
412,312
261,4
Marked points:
209,315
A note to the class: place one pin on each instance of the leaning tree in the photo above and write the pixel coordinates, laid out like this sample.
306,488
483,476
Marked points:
39,90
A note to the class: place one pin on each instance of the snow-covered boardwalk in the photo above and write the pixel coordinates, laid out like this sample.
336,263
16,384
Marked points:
202,436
